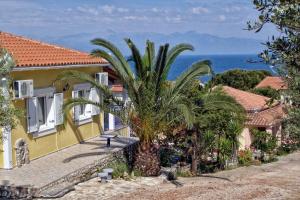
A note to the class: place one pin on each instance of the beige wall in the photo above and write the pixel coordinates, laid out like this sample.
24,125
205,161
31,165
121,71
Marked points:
245,139
276,131
65,136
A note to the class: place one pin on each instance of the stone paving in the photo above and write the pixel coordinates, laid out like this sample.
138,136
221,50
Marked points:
93,189
47,169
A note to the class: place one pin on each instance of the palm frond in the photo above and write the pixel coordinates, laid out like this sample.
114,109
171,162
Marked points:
137,58
173,54
115,51
197,69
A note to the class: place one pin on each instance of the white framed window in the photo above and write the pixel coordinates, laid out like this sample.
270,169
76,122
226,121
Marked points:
83,113
44,111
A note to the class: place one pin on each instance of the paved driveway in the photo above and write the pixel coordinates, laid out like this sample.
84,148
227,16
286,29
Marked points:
277,180
47,169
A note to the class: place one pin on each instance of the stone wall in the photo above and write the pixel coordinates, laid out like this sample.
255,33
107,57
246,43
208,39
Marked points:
65,184
17,192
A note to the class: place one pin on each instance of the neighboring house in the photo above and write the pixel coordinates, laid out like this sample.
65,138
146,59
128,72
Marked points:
41,131
259,115
278,84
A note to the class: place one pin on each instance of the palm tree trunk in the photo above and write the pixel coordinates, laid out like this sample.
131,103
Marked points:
147,160
194,166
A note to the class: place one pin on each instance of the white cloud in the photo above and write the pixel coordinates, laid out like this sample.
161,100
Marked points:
174,19
222,18
87,10
122,10
233,9
155,10
136,18
108,8
200,10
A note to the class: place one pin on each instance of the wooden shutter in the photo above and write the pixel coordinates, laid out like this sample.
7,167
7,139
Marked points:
95,98
32,122
51,111
88,107
103,78
75,108
58,104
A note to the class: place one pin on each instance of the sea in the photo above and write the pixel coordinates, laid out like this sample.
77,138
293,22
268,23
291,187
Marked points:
220,63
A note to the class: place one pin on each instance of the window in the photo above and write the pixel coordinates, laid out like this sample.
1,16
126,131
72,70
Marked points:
44,111
83,113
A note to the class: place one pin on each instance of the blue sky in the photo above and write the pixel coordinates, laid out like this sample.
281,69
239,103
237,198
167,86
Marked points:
58,18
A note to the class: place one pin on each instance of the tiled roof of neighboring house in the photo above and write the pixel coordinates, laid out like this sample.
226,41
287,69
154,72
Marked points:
117,88
28,53
266,117
251,102
274,82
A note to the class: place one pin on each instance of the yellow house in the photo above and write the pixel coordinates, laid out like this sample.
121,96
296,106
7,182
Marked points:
41,131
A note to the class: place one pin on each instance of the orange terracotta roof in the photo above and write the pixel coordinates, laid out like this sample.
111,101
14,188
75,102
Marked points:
117,88
266,117
274,82
28,53
251,102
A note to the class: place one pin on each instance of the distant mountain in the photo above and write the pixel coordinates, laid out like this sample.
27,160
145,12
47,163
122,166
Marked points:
203,43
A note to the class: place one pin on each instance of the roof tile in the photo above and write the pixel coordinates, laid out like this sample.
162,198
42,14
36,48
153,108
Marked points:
28,53
274,82
251,102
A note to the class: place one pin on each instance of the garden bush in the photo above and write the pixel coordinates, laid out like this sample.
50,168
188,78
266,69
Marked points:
245,157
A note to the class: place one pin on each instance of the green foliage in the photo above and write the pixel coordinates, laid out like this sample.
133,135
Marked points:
8,112
119,169
267,91
245,157
183,173
167,156
283,51
219,122
156,104
221,116
239,79
263,141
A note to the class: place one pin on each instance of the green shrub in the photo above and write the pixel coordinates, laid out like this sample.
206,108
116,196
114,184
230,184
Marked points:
167,156
245,157
208,167
119,169
137,173
184,173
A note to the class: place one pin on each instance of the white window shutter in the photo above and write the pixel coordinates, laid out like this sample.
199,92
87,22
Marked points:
76,109
95,98
88,107
104,78
32,123
58,102
51,112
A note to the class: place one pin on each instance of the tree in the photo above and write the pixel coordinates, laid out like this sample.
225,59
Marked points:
283,51
268,92
218,124
239,79
263,141
155,103
8,113
223,116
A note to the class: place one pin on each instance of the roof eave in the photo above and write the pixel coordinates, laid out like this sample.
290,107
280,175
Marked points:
32,68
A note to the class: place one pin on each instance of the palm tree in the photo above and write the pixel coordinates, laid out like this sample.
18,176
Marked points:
155,102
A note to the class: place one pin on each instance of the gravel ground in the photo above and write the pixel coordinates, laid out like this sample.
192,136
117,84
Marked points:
277,180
